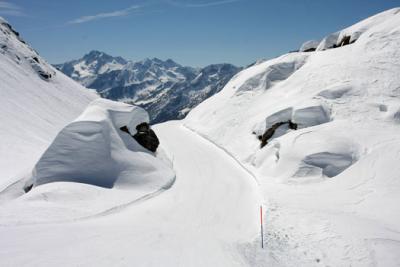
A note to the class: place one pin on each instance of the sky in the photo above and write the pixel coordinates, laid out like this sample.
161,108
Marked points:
193,32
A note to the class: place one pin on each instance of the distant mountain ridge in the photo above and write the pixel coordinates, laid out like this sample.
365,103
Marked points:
166,89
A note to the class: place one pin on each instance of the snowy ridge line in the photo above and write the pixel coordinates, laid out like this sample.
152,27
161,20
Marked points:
226,151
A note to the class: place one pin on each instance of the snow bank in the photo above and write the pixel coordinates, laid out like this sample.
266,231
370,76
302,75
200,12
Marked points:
266,75
93,150
339,169
309,46
91,168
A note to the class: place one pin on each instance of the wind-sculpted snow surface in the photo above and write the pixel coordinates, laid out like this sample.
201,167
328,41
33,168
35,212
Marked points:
273,73
93,150
309,46
332,183
93,163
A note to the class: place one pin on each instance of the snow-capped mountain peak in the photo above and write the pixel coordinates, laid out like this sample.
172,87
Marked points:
166,89
94,63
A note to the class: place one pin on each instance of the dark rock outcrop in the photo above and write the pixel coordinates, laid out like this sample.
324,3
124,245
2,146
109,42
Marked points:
346,40
28,188
312,49
145,136
270,132
45,75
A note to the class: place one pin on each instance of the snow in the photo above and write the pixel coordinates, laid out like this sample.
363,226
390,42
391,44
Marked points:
331,185
32,110
266,75
105,168
312,44
329,41
93,150
358,29
329,189
206,218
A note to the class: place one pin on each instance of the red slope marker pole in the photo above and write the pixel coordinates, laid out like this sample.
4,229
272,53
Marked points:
262,230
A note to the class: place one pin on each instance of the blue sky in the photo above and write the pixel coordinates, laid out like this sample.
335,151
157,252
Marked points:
192,32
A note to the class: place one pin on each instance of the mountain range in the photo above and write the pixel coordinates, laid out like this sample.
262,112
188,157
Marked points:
166,89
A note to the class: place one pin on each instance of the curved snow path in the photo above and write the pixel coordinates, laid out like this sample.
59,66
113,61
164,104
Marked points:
212,208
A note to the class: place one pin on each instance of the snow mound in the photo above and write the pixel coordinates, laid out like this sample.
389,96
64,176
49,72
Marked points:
91,168
335,92
266,75
311,116
325,163
309,46
329,41
93,150
303,117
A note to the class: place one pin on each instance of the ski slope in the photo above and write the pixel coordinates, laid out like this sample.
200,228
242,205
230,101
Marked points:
209,217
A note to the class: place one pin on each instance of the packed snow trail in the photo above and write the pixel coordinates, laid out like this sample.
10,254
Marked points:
203,220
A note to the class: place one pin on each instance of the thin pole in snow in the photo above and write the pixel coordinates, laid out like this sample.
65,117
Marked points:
262,230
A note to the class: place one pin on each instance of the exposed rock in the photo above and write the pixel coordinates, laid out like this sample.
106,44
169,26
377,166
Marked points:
270,132
28,188
312,49
345,41
295,118
44,75
145,136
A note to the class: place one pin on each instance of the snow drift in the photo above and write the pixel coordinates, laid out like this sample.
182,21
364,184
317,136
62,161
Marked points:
93,150
91,168
339,169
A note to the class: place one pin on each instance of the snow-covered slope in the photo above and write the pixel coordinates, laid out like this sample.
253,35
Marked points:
206,218
91,168
36,101
71,167
327,174
333,184
165,89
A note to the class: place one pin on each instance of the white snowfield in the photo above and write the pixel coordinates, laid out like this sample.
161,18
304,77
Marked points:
334,183
32,110
330,188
